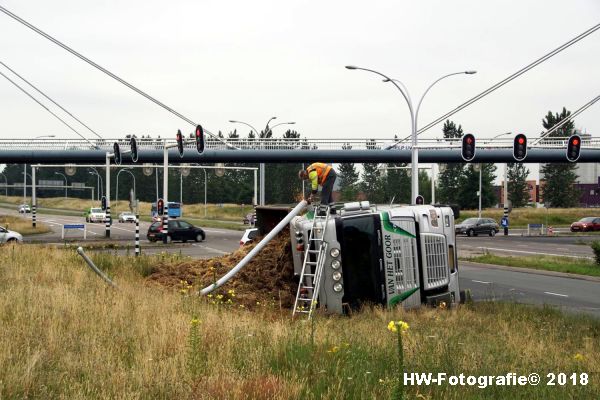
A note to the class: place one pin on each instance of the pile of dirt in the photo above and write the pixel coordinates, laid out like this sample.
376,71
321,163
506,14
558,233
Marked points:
267,278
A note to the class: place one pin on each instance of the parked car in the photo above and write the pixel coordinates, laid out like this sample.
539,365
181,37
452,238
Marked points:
249,219
586,224
249,235
475,226
24,208
7,236
94,215
127,216
178,230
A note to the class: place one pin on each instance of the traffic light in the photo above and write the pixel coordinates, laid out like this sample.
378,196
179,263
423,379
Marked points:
160,207
419,200
199,139
468,147
134,150
103,203
573,148
117,153
520,147
180,143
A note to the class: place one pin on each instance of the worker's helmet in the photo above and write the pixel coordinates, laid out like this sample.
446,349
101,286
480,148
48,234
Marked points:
302,174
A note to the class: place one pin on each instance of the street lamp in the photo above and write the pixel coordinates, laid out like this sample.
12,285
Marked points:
100,183
64,176
262,165
128,170
505,197
414,115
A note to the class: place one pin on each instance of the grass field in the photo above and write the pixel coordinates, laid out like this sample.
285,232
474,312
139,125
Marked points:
559,264
228,212
23,225
65,334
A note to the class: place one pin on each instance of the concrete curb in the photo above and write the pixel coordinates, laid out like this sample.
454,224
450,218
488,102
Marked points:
530,271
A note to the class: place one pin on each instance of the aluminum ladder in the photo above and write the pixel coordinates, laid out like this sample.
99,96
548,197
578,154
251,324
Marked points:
312,267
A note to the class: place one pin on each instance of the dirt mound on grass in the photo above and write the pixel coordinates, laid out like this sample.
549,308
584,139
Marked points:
267,278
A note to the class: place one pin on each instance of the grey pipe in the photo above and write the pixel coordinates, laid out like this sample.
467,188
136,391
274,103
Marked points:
94,268
484,155
284,222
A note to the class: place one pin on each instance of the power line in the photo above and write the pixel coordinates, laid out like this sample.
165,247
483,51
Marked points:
55,103
47,109
508,79
107,72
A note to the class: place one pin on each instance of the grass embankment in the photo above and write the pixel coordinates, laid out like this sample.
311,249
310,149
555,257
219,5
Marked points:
66,334
520,217
227,216
22,225
548,263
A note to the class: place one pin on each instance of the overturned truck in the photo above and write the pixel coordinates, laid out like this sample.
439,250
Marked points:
358,253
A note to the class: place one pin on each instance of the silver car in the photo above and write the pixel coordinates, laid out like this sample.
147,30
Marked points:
127,216
7,236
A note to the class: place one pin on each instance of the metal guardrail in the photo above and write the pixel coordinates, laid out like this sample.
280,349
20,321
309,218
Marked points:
278,144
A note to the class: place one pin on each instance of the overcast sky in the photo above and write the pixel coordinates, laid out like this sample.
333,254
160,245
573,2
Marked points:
250,60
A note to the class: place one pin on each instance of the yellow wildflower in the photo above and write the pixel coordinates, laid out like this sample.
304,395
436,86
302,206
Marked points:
183,291
442,305
578,357
334,349
219,296
194,321
394,325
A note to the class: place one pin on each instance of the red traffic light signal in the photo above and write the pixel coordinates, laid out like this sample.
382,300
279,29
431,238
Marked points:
134,149
573,148
160,207
520,147
200,139
180,143
467,150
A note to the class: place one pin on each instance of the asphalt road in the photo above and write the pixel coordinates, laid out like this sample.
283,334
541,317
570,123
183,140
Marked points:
568,294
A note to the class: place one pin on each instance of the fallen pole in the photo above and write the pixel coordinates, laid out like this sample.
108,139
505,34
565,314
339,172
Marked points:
284,222
94,268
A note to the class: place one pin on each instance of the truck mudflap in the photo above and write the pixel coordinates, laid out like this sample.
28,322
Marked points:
436,299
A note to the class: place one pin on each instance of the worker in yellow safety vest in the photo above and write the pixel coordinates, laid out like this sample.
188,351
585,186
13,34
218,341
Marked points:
320,174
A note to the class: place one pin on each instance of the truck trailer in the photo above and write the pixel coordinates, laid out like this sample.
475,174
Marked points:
363,254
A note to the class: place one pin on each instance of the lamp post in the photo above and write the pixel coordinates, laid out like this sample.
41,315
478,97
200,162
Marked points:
64,176
128,170
100,182
505,196
414,115
262,165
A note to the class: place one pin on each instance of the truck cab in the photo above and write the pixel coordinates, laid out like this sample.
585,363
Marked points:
385,255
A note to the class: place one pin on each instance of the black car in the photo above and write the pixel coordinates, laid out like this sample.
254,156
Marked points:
475,226
178,230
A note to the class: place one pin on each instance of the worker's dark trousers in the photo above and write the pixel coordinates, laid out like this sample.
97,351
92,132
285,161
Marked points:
326,193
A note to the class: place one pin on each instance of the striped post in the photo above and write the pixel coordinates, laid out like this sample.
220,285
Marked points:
137,233
33,198
107,221
165,222
107,191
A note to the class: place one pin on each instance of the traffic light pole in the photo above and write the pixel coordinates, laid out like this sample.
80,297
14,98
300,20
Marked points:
505,200
107,221
165,193
33,197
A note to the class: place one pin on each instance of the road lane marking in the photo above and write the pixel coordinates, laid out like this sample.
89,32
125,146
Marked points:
484,282
534,252
212,249
557,294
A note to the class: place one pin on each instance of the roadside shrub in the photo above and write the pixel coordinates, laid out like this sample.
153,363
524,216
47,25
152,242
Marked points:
596,247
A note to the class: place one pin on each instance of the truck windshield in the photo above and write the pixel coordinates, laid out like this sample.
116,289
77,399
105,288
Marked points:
361,256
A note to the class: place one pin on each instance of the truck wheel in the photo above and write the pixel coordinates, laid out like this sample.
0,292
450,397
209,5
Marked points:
470,232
